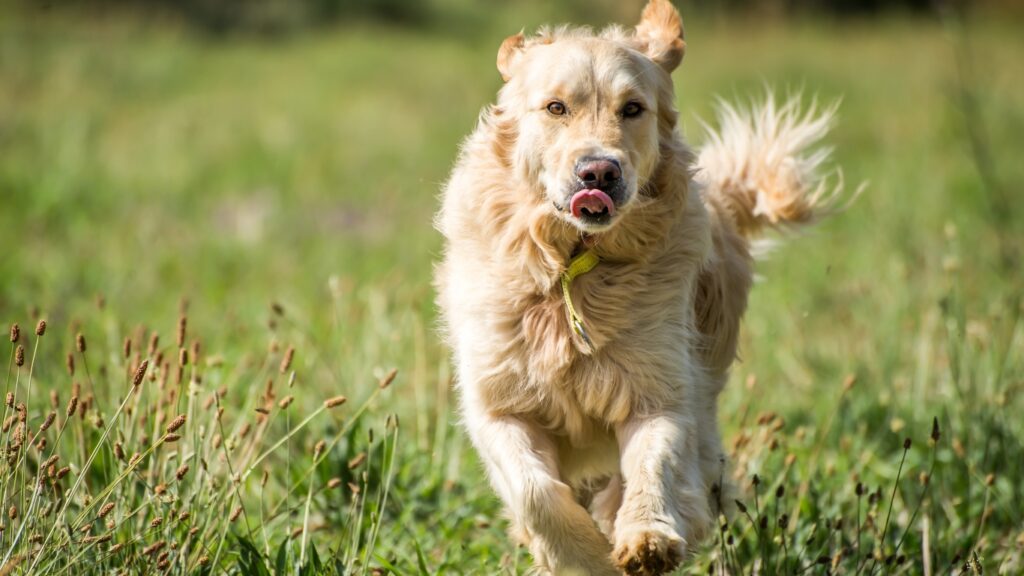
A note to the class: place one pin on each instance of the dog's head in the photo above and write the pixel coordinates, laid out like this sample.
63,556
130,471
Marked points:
590,111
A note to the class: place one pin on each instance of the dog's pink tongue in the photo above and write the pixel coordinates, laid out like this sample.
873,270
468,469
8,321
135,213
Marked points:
595,201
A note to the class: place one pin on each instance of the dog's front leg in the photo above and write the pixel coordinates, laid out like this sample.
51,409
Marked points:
521,460
664,505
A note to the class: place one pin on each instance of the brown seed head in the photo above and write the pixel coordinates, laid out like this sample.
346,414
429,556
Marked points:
106,509
266,476
48,422
72,406
936,434
156,522
335,401
286,402
388,378
183,358
286,362
235,514
13,513
333,483
355,462
19,355
160,489
906,443
154,343
63,472
22,412
140,373
70,364
990,480
134,459
119,451
9,400
183,516
127,350
15,332
170,438
176,423
80,342
318,448
41,328
182,325
182,470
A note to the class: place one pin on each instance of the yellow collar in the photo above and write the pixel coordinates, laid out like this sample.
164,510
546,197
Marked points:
578,266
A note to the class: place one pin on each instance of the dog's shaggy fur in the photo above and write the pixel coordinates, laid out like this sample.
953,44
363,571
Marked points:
605,456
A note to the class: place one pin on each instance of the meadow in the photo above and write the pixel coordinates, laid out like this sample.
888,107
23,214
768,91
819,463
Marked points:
230,242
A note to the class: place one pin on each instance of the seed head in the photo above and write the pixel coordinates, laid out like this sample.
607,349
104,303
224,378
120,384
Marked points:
48,422
183,516
63,472
182,325
176,423
235,514
388,378
156,522
10,400
183,358
286,362
140,373
106,509
182,470
154,343
333,483
286,402
127,347
355,462
15,332
72,406
318,449
41,328
80,342
153,548
70,364
906,443
13,513
935,429
170,438
19,355
780,491
335,401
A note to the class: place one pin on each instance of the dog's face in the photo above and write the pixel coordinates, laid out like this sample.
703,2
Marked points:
588,112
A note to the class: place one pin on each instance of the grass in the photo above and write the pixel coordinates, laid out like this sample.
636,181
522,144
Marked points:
278,194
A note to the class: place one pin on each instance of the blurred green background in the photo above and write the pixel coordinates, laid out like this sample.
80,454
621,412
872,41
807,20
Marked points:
238,154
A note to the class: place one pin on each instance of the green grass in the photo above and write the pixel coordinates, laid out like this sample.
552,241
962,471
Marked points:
142,165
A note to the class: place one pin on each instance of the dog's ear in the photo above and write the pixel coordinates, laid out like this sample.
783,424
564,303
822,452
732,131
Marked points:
509,52
660,33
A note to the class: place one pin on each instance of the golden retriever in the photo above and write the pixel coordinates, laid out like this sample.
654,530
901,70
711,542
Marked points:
594,276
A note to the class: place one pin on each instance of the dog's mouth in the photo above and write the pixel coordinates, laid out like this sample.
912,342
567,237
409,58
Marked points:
592,206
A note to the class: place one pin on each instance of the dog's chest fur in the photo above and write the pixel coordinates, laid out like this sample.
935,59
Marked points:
525,360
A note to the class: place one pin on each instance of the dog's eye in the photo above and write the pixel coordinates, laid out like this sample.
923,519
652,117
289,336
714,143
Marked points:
556,108
632,110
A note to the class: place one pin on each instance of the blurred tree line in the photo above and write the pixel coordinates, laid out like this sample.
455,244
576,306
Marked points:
280,16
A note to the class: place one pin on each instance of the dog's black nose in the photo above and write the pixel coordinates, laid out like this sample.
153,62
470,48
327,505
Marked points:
598,173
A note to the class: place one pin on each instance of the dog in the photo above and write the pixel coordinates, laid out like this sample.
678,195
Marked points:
594,275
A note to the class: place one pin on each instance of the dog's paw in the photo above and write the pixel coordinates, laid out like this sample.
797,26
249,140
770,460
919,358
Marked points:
648,552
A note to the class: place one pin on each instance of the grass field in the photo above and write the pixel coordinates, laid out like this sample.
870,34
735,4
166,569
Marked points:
279,193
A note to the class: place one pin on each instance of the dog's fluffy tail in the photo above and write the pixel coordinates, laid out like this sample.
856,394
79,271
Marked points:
762,167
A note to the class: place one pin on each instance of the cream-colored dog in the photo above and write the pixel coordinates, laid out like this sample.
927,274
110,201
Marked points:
593,281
